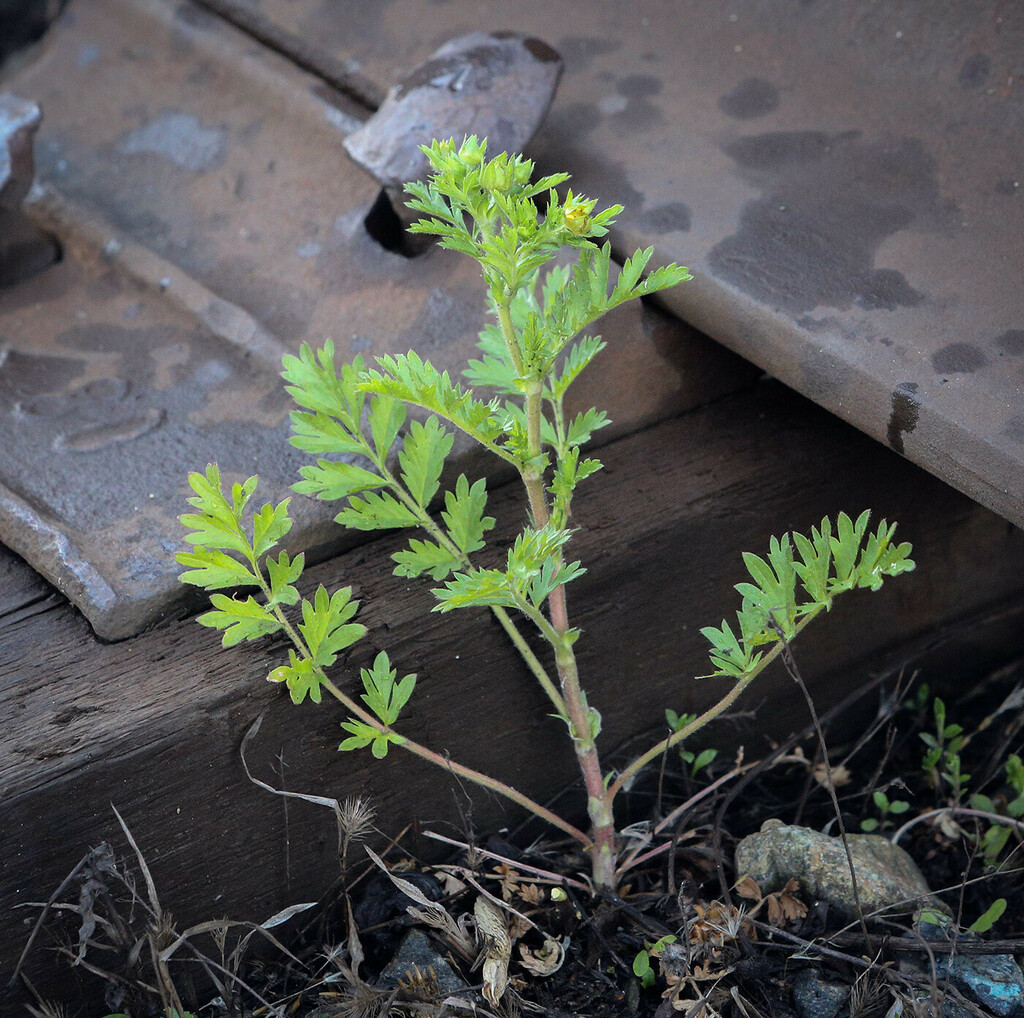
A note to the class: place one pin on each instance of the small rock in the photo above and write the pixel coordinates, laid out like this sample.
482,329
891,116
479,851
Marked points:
815,997
495,85
887,877
994,980
417,954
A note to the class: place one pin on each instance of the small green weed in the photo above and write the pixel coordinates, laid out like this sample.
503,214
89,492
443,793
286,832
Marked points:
352,419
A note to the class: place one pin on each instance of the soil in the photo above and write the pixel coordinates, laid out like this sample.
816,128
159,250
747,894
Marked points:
738,950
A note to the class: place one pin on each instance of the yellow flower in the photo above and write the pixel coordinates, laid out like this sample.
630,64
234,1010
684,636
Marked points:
576,213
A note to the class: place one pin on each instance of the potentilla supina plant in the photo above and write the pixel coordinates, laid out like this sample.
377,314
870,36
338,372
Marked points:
387,472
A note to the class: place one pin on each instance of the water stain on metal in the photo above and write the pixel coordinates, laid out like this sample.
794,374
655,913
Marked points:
633,111
903,416
1011,342
957,358
750,99
584,117
26,376
579,51
102,435
537,47
828,202
974,71
667,218
180,138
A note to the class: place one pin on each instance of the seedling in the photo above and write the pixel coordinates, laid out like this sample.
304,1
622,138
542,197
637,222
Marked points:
941,760
388,473
886,808
693,762
642,967
995,838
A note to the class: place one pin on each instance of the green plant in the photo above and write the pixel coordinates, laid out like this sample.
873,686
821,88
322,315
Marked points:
996,836
941,761
989,917
886,808
693,762
642,967
354,418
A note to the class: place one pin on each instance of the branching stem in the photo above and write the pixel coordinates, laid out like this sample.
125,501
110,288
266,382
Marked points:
715,710
468,773
598,800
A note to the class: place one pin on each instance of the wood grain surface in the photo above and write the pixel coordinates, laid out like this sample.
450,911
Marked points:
153,725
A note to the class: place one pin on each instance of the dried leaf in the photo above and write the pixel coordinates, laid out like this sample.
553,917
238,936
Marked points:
949,827
450,883
784,905
546,959
840,775
531,894
747,888
431,913
490,922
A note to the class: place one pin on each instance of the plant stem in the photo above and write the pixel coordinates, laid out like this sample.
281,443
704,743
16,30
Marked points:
461,770
428,524
630,772
598,800
477,777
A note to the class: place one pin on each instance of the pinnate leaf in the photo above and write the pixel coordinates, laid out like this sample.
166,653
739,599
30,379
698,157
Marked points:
422,459
377,511
408,377
240,620
325,625
425,557
833,559
463,515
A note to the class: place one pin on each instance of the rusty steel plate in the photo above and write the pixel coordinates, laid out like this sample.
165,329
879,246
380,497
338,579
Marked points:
209,221
846,180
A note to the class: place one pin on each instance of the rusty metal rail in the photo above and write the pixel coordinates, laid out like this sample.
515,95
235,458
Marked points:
210,220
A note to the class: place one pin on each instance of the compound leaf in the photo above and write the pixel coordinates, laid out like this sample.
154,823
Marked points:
425,557
240,620
463,515
377,511
422,459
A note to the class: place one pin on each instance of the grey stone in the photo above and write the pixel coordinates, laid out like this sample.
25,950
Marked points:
417,953
815,997
887,878
495,85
